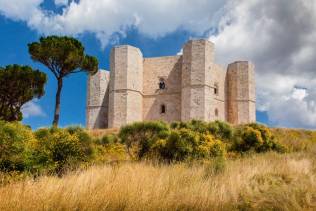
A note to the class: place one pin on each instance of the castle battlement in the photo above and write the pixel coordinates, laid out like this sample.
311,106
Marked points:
170,88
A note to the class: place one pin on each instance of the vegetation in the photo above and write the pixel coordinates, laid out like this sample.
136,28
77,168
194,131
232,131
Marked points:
63,56
55,150
195,140
157,166
19,84
14,139
266,181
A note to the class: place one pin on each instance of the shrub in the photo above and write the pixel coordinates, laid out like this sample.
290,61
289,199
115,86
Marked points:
255,137
14,138
220,130
85,139
107,140
186,144
139,137
194,125
179,145
57,148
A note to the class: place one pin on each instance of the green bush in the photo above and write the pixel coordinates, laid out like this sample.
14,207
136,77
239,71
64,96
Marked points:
140,137
221,130
184,144
85,140
179,145
107,140
14,140
255,137
193,125
56,149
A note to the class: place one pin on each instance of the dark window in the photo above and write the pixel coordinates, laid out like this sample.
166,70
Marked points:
162,84
162,109
216,89
216,112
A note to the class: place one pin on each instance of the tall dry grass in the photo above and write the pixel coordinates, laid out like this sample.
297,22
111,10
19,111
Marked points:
296,140
267,182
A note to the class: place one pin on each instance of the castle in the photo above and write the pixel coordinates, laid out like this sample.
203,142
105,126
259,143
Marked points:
171,88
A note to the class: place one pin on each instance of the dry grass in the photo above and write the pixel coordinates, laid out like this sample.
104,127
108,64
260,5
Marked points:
296,140
98,133
266,182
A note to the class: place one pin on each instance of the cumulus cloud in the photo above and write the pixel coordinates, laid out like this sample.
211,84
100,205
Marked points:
279,37
19,10
107,18
294,110
32,109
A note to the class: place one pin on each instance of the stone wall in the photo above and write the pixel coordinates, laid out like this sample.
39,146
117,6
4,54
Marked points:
97,100
241,93
126,86
132,93
218,77
168,69
198,57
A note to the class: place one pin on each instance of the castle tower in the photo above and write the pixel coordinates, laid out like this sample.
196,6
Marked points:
196,93
241,97
97,100
126,86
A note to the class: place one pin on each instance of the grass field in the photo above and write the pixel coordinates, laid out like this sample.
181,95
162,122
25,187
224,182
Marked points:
268,181
260,182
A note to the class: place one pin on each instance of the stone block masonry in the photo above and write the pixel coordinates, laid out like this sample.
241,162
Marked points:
172,88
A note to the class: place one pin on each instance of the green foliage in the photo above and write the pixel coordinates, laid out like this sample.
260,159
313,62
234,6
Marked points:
184,144
14,139
255,137
108,140
194,125
221,130
19,84
56,149
197,140
180,144
140,137
63,56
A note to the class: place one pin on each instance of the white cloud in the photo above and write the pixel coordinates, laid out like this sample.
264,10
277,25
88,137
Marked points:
279,38
32,109
19,10
295,110
107,18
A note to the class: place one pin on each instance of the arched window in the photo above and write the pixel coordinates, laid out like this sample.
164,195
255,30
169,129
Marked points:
162,109
216,89
216,112
162,84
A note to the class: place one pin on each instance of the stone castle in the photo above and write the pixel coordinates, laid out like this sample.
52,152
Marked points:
171,88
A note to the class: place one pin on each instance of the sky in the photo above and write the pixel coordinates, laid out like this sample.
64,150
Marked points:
278,36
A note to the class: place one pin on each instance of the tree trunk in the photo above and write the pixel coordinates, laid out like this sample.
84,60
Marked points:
57,104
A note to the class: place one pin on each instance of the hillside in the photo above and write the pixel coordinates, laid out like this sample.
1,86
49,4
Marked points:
251,180
266,182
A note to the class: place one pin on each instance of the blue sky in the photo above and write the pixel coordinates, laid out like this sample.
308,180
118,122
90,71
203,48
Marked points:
285,86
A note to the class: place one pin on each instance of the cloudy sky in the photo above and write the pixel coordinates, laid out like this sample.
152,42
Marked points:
278,36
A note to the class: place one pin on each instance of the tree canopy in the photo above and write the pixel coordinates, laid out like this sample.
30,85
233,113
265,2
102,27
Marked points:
18,85
63,56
